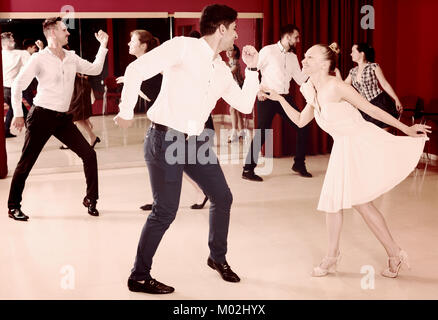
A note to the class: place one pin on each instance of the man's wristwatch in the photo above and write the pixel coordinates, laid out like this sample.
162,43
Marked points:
252,69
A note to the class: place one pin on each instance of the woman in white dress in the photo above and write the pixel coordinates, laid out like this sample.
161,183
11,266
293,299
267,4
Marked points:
365,161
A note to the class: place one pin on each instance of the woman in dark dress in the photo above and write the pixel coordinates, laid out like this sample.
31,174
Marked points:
141,42
80,108
367,77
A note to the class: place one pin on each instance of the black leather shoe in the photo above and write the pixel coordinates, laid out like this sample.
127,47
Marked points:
146,207
302,171
149,286
250,175
224,270
199,206
91,205
97,140
17,214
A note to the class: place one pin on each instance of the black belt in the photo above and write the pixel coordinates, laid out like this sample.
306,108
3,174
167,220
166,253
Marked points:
163,128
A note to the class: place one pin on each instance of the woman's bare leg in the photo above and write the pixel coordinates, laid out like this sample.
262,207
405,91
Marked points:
334,226
376,222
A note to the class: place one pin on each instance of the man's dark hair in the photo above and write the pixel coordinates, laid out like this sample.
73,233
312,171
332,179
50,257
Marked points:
50,23
215,15
27,43
289,28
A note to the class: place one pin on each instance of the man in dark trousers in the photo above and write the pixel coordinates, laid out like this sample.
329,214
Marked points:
55,69
194,78
278,64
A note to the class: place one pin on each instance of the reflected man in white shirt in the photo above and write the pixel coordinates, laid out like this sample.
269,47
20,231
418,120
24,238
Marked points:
55,69
12,62
194,78
278,65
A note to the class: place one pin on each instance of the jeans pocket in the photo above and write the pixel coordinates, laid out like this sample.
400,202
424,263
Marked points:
153,145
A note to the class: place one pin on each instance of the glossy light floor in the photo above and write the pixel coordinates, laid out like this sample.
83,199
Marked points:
276,235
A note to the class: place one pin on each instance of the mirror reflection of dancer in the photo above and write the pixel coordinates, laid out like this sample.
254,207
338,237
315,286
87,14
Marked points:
365,161
194,78
238,130
278,65
13,61
55,69
366,78
143,41
81,108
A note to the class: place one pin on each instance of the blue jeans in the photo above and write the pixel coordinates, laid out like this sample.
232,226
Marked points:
167,155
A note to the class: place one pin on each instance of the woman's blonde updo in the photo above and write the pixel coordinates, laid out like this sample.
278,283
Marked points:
331,54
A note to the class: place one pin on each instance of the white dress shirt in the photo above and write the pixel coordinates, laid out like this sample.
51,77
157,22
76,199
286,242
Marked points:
12,62
55,77
278,67
192,83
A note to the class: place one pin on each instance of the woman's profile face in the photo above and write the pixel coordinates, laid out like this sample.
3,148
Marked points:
135,47
313,60
355,54
231,52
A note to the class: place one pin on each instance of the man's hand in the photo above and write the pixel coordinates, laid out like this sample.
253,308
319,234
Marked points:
270,94
261,95
39,44
102,37
18,123
122,123
250,56
120,79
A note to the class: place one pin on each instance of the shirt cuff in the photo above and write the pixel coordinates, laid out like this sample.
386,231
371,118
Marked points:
125,114
252,74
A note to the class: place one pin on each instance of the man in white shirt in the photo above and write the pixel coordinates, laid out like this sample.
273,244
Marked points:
194,78
12,61
55,69
278,64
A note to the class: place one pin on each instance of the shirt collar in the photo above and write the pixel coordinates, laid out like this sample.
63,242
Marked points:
47,50
282,49
207,49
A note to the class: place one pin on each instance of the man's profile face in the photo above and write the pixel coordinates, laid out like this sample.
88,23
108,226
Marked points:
294,39
230,35
61,33
32,49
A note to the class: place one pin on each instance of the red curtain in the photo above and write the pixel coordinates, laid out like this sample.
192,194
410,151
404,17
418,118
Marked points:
320,21
3,158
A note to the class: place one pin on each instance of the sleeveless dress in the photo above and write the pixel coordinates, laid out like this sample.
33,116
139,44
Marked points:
369,88
365,161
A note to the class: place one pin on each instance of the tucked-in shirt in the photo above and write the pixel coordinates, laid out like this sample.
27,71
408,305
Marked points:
12,62
55,77
278,67
193,81
368,84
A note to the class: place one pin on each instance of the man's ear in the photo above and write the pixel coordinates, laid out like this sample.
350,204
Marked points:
222,29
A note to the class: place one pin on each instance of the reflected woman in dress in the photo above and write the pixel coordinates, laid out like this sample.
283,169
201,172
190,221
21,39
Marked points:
365,161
